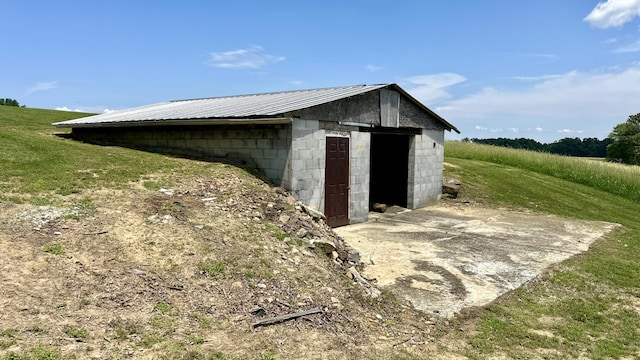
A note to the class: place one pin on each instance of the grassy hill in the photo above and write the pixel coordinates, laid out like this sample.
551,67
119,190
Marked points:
99,262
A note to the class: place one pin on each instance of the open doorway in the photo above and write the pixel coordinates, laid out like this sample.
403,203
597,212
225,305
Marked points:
389,169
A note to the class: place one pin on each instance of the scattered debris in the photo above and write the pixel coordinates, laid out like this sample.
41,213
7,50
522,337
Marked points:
281,318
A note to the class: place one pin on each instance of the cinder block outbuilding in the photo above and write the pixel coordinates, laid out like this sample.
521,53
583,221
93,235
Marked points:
337,150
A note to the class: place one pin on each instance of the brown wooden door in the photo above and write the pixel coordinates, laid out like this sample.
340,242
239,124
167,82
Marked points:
336,200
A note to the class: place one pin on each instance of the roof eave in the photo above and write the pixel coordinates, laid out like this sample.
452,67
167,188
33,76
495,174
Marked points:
174,122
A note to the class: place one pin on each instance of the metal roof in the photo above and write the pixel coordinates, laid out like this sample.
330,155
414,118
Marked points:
227,107
255,108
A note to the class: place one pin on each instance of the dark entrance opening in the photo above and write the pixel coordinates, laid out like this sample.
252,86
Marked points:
389,169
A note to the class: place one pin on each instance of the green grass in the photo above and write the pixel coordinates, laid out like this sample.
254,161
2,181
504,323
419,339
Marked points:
76,332
34,160
53,248
618,179
212,267
588,306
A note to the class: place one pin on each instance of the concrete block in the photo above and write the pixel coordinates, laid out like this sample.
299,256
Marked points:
257,154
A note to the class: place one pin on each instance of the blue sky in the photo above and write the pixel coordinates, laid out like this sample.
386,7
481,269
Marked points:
543,69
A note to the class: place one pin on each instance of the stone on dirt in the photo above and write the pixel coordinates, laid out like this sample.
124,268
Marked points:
377,207
451,187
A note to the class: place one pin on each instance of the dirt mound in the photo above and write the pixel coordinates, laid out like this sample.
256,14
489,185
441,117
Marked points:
183,272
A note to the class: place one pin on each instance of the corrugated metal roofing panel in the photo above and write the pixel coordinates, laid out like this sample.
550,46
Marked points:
242,106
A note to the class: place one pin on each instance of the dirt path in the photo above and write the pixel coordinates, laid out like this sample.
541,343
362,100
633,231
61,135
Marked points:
444,258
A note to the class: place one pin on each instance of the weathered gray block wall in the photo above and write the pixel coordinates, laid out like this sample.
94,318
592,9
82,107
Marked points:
268,146
308,158
360,169
426,156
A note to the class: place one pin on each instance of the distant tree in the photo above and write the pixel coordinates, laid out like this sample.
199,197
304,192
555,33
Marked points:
625,147
9,102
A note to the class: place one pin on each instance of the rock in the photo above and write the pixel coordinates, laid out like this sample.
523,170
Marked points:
324,246
353,256
353,274
302,233
377,207
167,191
315,214
334,255
451,187
374,293
335,300
57,233
199,226
261,286
284,218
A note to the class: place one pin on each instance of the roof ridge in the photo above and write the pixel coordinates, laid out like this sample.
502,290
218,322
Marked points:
278,92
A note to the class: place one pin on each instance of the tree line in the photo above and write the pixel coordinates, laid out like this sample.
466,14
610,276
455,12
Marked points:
9,102
587,147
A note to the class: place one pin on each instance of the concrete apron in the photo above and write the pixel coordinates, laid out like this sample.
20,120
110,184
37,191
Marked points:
444,258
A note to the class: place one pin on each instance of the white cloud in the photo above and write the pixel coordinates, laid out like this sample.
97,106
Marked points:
593,101
42,86
613,13
431,88
539,129
611,41
635,47
90,109
515,130
569,131
296,82
251,58
64,108
373,68
478,127
543,77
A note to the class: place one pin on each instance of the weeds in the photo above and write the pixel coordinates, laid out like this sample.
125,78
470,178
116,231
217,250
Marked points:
212,267
163,308
53,248
124,328
76,332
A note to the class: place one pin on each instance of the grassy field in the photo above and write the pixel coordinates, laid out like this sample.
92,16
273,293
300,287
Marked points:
618,179
587,307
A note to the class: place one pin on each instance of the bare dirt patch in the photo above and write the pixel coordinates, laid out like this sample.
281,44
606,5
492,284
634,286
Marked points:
184,273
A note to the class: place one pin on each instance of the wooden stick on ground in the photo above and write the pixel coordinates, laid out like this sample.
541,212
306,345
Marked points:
281,318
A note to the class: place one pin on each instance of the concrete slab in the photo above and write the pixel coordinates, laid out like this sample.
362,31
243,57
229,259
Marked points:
446,257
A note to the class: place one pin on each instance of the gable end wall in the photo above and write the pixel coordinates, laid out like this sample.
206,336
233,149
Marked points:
411,115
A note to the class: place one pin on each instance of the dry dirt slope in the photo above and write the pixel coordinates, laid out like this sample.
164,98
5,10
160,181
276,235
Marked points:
183,274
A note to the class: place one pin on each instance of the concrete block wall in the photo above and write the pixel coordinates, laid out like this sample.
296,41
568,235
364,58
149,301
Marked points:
360,166
267,146
426,156
308,156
